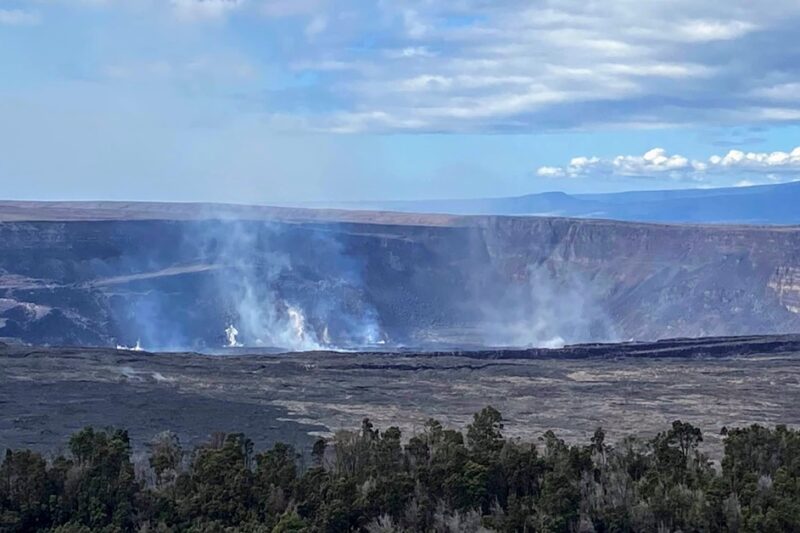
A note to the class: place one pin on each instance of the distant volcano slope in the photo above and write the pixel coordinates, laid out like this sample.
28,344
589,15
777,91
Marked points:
762,204
204,277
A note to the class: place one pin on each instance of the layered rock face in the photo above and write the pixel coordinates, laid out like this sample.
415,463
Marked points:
314,280
786,283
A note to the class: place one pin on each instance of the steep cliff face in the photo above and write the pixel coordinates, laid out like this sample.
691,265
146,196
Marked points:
661,281
786,284
318,281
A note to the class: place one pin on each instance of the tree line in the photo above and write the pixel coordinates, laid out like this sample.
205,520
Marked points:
439,480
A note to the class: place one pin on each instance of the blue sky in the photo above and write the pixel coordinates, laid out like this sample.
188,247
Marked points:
270,101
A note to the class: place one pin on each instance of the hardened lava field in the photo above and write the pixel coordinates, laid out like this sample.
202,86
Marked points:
48,393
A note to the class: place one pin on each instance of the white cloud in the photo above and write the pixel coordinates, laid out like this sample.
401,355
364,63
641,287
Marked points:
779,92
550,172
519,66
414,26
204,9
18,17
410,52
714,30
516,65
769,166
317,25
326,65
652,163
769,162
291,8
375,120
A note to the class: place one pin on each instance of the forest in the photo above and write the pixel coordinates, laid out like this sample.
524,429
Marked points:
439,479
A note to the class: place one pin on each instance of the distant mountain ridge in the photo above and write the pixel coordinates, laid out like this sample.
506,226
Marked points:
765,204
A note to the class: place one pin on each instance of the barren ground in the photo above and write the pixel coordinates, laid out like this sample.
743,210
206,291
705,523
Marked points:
48,393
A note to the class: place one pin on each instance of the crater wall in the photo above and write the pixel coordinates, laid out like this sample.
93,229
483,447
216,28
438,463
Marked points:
300,279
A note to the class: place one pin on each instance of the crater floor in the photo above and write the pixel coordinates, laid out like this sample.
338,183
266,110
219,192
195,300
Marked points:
48,393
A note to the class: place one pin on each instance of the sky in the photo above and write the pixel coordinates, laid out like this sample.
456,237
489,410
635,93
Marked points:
281,101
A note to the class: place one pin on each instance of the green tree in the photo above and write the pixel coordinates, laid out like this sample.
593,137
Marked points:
484,434
103,490
24,492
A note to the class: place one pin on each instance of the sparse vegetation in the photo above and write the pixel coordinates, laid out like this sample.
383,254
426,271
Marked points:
438,480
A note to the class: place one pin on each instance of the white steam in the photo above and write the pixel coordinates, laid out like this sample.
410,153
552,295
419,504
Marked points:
301,335
230,334
135,348
555,305
288,293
